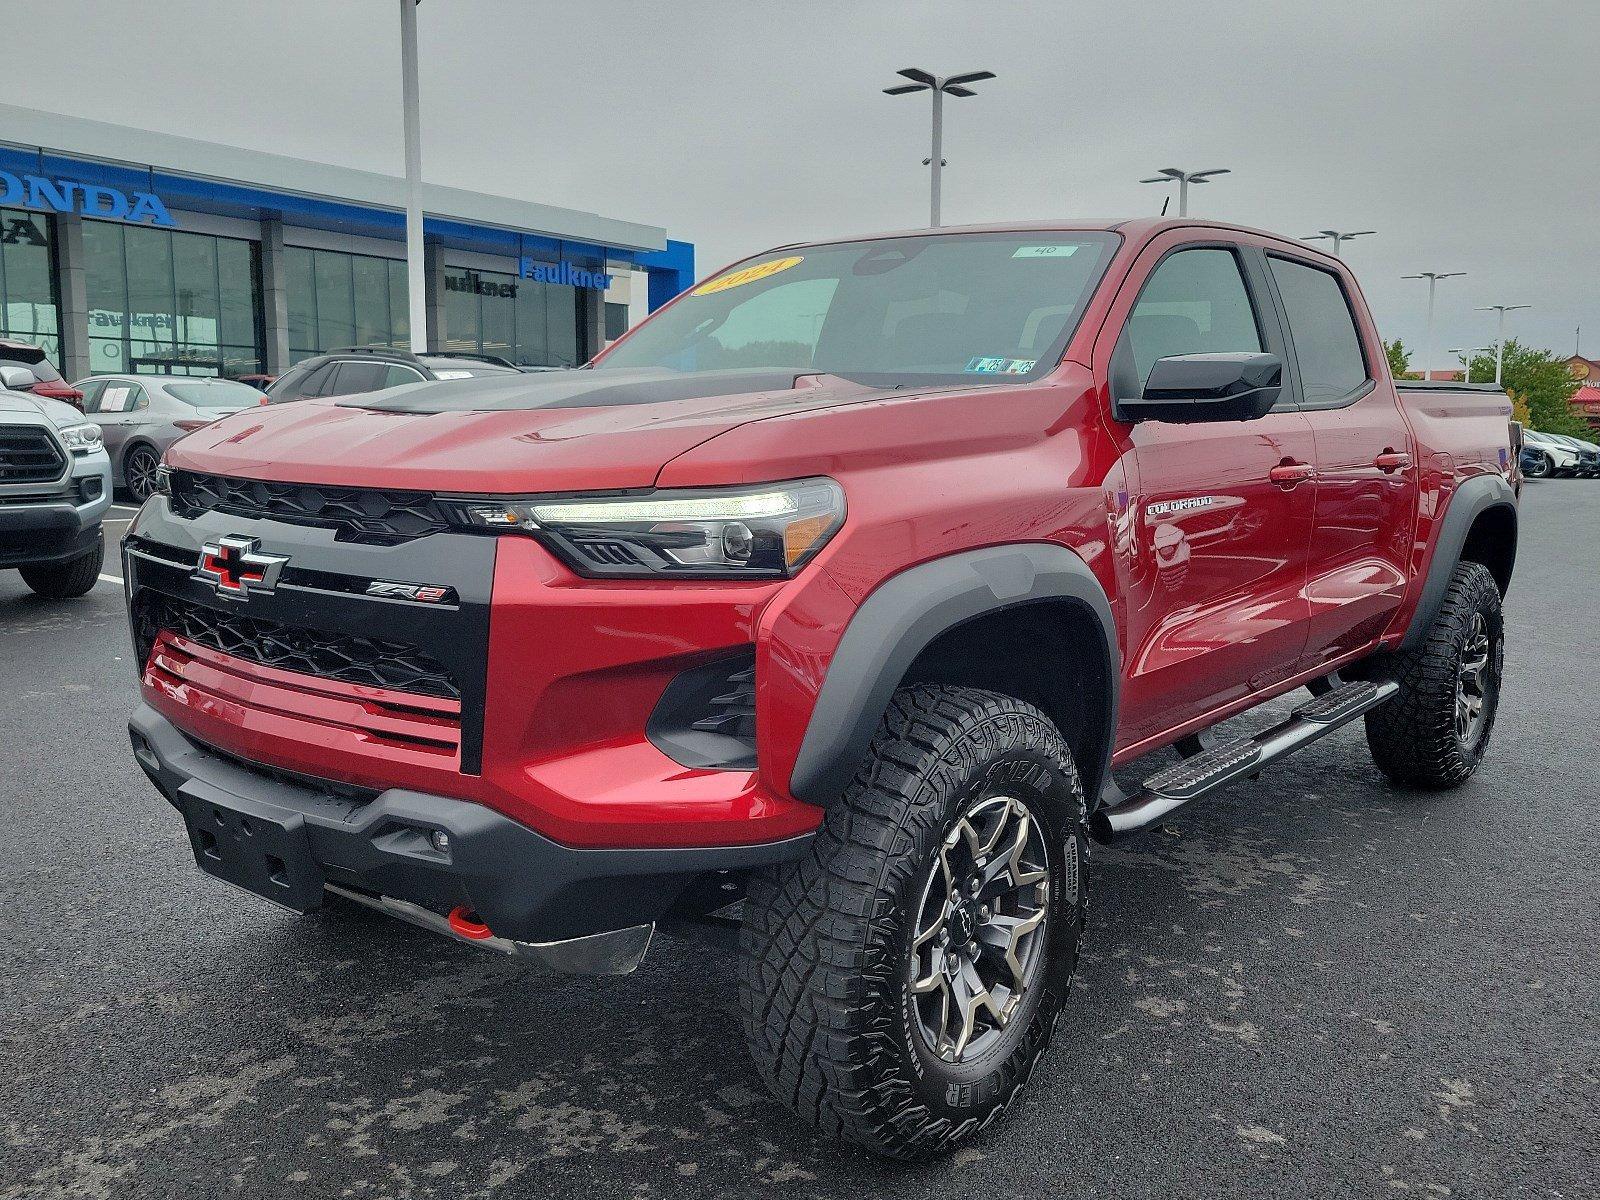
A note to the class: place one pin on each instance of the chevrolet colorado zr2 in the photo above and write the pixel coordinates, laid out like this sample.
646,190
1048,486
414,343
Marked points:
833,591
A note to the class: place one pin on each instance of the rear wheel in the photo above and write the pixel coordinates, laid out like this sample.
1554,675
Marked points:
1434,733
64,580
900,983
139,472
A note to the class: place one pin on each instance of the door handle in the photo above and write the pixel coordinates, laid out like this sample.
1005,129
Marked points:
1392,460
1288,473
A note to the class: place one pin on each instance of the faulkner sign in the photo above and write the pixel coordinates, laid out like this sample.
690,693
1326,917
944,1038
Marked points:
564,273
85,199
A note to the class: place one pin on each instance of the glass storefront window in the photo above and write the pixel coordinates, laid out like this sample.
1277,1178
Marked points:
28,309
338,299
176,303
531,324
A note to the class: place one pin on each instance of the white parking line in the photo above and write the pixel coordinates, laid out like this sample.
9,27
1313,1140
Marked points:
132,508
116,579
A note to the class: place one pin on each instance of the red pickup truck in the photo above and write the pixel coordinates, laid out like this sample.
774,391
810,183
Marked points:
835,591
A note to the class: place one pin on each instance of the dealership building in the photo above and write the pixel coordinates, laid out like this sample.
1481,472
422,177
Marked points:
127,250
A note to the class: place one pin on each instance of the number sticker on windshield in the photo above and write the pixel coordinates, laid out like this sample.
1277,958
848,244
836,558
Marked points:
748,275
1058,251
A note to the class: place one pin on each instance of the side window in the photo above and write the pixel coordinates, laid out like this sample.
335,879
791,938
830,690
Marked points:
91,394
137,398
1194,303
399,377
118,396
1326,344
308,384
356,377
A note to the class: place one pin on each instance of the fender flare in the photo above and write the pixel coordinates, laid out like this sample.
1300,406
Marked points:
902,618
1471,500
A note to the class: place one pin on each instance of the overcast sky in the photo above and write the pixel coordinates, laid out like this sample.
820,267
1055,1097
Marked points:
1466,132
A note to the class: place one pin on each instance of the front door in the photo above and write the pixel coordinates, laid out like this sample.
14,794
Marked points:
1221,510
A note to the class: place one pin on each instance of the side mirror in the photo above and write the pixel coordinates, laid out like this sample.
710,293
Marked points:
1208,387
18,379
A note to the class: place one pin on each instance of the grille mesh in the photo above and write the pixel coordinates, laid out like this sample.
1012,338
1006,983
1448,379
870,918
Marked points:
365,515
372,662
28,455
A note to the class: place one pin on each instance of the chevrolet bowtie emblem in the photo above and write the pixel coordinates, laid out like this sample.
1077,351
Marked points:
235,566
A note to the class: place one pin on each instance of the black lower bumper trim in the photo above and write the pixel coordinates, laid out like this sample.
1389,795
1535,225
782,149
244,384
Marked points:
522,885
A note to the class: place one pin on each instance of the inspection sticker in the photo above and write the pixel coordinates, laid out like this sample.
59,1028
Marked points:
1001,366
1057,251
748,275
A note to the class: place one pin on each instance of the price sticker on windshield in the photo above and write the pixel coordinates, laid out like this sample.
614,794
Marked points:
748,275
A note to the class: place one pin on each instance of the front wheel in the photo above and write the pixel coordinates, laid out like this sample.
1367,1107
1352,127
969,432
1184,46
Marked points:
1434,733
1540,468
900,983
139,472
66,580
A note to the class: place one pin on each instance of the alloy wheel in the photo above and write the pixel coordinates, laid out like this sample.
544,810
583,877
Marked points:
981,926
140,473
1472,682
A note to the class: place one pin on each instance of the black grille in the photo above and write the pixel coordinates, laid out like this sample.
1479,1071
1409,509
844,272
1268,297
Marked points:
29,455
360,660
365,515
733,712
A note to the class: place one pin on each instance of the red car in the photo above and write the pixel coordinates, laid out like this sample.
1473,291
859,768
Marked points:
46,381
835,588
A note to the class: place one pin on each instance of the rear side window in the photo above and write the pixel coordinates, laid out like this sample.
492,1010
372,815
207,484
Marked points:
357,377
301,382
1326,344
91,394
1195,302
399,377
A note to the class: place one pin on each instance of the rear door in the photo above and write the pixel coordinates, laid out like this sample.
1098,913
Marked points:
1217,562
1366,491
117,408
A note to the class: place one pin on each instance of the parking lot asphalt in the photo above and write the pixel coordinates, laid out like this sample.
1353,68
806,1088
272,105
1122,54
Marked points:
1313,985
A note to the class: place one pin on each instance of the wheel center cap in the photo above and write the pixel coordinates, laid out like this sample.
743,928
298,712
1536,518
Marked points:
962,925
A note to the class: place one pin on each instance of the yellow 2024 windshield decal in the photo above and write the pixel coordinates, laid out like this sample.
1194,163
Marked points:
748,275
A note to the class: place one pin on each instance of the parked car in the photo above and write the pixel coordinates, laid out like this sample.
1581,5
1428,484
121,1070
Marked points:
139,416
836,588
355,370
34,373
55,486
1548,454
260,382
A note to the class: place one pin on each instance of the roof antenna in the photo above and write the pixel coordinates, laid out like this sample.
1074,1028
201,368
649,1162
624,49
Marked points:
1164,204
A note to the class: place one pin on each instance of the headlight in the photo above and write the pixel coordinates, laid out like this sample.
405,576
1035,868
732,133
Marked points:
163,481
82,439
765,532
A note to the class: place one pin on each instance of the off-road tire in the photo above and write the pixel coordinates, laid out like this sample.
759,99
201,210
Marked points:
1413,737
64,580
826,943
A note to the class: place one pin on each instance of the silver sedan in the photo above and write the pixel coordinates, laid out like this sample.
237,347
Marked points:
141,415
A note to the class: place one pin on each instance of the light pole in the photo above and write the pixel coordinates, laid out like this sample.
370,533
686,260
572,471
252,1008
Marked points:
1433,278
416,277
949,85
1500,338
1469,351
1184,179
1338,239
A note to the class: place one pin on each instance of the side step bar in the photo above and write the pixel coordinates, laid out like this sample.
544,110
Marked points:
1217,766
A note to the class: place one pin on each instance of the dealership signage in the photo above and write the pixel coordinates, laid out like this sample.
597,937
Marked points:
564,273
84,199
471,281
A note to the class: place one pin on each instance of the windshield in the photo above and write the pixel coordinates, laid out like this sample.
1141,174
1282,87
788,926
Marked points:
223,393
940,308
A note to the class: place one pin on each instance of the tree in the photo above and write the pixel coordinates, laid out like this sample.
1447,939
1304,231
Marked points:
1541,382
1399,358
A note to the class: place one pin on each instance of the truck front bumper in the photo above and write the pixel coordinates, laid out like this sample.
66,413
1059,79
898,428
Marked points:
37,529
423,857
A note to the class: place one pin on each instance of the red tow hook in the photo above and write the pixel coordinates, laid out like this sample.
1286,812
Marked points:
465,922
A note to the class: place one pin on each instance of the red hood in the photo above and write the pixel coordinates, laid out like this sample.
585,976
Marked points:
564,431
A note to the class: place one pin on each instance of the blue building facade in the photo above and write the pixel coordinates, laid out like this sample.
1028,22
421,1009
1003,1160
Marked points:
127,250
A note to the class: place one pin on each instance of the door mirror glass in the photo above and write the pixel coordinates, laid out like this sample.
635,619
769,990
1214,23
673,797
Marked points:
1208,387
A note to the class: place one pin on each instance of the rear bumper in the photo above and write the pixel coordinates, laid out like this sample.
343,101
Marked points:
570,909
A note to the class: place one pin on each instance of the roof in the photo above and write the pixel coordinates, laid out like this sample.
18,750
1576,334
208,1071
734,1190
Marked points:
1139,228
77,137
1586,395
